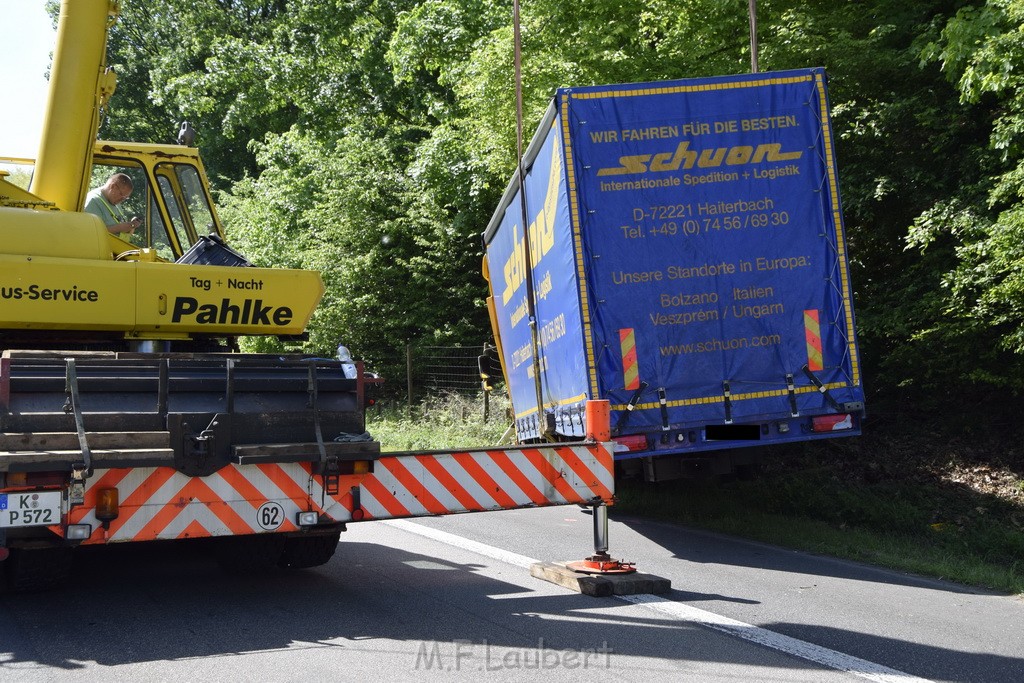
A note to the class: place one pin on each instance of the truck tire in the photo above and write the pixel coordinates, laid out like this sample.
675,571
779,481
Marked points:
29,570
303,552
250,554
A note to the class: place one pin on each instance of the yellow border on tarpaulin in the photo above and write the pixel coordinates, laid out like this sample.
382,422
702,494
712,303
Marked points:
574,212
692,401
837,219
705,87
734,397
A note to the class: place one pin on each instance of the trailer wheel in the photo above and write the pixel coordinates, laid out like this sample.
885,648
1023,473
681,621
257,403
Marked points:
303,552
29,570
250,554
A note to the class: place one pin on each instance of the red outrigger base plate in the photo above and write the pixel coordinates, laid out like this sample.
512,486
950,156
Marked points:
601,564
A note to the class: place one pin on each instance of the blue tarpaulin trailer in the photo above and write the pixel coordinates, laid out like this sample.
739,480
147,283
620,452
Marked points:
683,257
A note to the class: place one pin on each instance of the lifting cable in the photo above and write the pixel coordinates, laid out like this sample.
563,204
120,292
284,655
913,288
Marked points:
543,428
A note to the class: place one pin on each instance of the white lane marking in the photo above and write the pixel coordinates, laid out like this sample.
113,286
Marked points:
490,551
755,634
776,641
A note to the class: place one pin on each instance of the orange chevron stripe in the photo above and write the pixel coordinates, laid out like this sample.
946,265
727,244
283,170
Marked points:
286,484
242,486
583,472
445,478
516,475
195,489
603,456
415,487
194,530
481,477
130,505
553,476
164,515
380,493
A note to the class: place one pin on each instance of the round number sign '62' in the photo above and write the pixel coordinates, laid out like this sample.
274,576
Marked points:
270,515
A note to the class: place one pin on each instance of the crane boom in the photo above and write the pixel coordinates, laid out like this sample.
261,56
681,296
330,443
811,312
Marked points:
80,85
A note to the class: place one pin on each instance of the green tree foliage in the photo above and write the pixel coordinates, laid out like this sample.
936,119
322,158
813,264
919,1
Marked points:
371,139
205,61
981,225
901,130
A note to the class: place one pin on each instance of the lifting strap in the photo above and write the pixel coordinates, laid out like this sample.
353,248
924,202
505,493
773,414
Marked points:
80,470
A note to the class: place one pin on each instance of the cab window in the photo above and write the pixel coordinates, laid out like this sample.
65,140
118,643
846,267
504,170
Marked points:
188,206
152,231
174,210
195,198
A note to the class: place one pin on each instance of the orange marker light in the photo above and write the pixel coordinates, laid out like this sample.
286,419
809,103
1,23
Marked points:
106,505
17,479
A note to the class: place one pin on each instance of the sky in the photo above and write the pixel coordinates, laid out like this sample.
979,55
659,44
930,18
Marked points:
26,40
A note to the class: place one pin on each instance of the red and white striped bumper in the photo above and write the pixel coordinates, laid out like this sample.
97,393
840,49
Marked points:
161,503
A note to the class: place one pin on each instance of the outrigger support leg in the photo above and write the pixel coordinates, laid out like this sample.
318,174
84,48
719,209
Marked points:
599,575
601,562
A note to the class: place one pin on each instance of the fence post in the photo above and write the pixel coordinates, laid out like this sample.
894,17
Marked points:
408,374
484,376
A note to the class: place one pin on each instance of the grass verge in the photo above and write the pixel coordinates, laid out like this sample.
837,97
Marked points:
885,525
444,421
915,500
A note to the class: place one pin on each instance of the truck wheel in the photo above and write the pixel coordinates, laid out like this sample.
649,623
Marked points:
302,552
29,570
250,554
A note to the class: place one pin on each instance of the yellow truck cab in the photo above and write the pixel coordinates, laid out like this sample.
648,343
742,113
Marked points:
171,196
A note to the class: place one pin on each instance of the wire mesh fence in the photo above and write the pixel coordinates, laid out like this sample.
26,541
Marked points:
467,370
453,369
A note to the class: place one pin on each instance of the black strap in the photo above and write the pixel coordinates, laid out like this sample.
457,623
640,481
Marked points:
664,408
822,389
630,406
791,389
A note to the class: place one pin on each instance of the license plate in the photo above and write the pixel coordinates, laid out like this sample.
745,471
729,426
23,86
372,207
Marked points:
34,508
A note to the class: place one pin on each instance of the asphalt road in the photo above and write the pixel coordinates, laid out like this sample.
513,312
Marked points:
452,598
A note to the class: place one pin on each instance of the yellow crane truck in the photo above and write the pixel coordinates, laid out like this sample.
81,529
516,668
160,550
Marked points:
125,416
